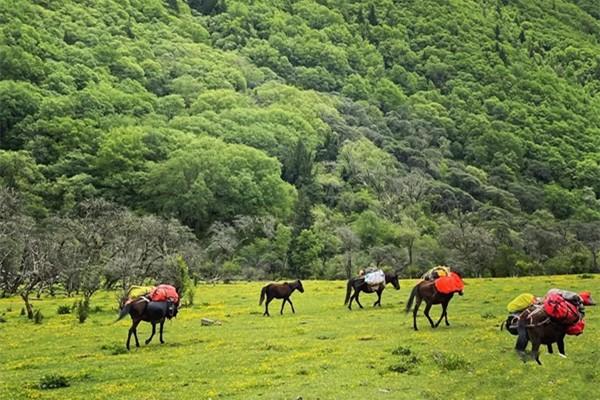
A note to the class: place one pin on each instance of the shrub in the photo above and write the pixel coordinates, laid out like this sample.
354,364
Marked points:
53,382
38,317
82,311
189,295
22,311
63,309
406,364
401,351
586,276
450,362
114,348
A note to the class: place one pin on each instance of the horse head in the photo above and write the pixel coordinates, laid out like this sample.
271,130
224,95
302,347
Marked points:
299,286
393,279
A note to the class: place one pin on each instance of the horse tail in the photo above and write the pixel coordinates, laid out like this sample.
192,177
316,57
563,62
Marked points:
263,293
502,325
348,290
124,311
411,298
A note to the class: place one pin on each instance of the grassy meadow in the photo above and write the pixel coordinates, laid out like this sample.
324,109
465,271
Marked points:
323,351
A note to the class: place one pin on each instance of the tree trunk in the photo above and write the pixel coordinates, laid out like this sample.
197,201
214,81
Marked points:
594,261
349,266
25,297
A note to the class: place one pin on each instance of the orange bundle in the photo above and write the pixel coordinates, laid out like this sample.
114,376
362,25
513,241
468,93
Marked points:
449,284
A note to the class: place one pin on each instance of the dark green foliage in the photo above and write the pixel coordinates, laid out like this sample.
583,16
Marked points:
82,311
387,132
63,309
114,348
450,361
38,317
53,381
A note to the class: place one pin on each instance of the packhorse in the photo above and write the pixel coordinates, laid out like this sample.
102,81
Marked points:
358,284
426,291
279,291
154,312
536,326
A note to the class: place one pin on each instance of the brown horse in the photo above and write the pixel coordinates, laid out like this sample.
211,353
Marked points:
155,312
425,290
279,291
534,325
359,285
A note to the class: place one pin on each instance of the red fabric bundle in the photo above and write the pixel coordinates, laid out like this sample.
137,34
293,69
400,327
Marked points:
164,293
577,328
449,284
560,309
587,298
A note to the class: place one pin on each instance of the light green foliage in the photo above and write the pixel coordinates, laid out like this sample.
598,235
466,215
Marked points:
328,351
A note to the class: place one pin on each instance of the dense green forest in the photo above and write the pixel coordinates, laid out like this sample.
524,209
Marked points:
265,139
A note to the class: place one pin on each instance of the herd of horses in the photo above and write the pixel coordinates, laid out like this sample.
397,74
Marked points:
538,329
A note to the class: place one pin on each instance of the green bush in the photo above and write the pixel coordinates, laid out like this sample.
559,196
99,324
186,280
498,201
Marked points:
38,317
114,348
82,311
53,382
63,309
450,362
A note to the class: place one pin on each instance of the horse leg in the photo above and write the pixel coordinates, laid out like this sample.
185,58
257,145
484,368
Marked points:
417,305
162,325
378,302
289,301
351,300
535,350
561,347
267,307
426,312
444,315
129,333
358,302
153,332
133,331
282,305
522,340
550,351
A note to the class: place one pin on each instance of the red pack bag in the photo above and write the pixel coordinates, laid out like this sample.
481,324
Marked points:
577,328
560,309
164,293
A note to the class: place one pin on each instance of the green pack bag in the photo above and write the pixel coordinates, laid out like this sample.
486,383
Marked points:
137,291
520,302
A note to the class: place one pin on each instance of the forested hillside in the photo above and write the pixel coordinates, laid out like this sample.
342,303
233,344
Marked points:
299,138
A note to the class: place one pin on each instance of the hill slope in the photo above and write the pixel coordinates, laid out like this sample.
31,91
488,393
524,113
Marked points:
400,133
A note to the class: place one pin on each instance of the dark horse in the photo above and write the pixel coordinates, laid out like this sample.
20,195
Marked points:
425,290
534,325
279,291
141,309
359,285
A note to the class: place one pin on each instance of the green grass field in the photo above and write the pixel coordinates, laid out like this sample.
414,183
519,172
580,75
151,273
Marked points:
323,351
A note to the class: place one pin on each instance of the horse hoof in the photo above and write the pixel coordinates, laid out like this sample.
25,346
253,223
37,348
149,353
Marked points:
562,355
162,342
147,341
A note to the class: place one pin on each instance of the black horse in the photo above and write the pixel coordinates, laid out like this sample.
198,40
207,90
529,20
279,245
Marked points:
534,325
425,290
155,312
279,291
359,285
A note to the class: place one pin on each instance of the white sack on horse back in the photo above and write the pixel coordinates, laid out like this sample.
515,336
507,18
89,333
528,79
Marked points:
375,277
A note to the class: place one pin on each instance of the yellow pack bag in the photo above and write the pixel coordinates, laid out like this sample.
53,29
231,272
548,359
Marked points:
520,302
